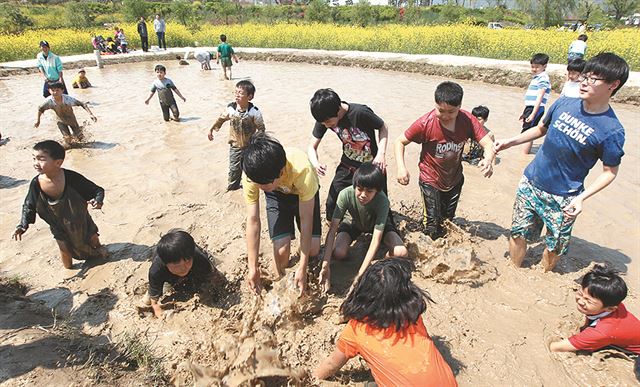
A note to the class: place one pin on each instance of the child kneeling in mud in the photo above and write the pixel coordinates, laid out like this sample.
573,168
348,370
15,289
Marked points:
60,197
385,327
608,323
180,264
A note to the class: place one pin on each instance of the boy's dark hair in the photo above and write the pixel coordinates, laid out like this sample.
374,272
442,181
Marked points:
450,93
247,86
263,159
609,66
160,68
481,111
325,104
52,148
539,59
384,296
176,245
606,285
576,65
223,38
56,85
583,37
369,175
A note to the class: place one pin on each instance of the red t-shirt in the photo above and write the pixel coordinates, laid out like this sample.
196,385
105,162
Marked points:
441,156
620,328
406,358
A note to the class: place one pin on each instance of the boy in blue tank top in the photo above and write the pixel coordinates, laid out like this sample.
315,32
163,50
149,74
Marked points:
579,132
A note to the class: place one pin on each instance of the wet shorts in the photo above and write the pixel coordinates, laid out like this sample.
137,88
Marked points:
282,210
536,120
354,232
535,208
226,61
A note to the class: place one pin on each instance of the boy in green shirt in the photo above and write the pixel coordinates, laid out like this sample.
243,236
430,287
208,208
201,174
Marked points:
368,212
224,55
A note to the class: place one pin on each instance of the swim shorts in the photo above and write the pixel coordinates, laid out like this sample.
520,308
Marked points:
283,209
535,208
526,113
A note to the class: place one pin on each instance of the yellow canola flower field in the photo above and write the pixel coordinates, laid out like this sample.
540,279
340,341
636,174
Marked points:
460,39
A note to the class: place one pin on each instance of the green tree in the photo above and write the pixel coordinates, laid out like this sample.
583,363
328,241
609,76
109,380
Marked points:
620,8
547,12
362,13
80,14
318,11
134,9
181,10
12,20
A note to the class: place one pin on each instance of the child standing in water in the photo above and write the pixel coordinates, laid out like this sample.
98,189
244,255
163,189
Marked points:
60,197
63,105
246,120
164,86
385,327
224,55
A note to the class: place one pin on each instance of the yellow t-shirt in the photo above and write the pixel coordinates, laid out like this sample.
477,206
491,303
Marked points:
298,178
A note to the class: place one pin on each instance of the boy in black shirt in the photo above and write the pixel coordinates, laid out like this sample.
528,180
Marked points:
355,126
181,264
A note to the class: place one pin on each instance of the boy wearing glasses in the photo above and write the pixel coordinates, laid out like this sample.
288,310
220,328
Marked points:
290,186
579,132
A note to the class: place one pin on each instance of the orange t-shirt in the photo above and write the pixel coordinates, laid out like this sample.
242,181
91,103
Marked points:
405,358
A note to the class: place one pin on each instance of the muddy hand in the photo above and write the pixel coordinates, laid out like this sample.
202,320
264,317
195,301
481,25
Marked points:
254,282
321,169
300,280
17,235
325,279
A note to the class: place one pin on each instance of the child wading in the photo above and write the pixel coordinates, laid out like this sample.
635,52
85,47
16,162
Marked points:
386,329
246,120
60,197
81,81
224,54
165,88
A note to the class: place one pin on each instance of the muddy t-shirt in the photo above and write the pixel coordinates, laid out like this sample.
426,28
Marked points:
620,328
164,88
63,110
365,218
159,274
441,155
356,131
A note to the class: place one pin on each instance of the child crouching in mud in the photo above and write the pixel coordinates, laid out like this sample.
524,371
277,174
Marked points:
385,327
181,265
60,197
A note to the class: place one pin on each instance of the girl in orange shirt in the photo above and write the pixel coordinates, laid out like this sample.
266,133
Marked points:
385,327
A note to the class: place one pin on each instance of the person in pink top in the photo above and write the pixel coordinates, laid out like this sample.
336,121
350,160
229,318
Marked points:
442,133
608,322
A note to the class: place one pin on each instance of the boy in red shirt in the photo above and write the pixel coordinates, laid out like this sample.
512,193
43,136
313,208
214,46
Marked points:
608,322
443,133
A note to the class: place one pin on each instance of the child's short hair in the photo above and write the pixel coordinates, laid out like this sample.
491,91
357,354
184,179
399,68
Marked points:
247,86
450,93
52,148
263,159
481,112
223,38
369,175
81,71
160,68
56,85
175,246
576,65
606,285
539,59
384,296
582,37
324,104
609,66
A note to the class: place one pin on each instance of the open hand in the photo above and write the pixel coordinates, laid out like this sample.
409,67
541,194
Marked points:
486,168
17,234
94,204
321,169
380,162
300,279
325,278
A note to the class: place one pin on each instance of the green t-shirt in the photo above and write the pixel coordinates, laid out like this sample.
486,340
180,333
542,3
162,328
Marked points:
365,218
225,50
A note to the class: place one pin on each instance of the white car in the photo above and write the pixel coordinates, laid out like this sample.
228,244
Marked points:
495,26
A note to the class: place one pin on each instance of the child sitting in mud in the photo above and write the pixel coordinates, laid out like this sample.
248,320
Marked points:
60,197
385,327
164,86
368,212
180,264
63,105
81,81
246,120
473,152
608,323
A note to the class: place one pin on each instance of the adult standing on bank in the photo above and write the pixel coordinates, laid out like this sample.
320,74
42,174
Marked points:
50,67
160,27
144,35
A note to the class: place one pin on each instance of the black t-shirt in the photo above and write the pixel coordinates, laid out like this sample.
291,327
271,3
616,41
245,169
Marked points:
159,274
356,130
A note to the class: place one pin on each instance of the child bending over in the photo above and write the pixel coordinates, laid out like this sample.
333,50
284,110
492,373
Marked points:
385,327
368,212
60,197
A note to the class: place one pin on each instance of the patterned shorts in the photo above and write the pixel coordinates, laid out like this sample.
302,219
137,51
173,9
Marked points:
535,208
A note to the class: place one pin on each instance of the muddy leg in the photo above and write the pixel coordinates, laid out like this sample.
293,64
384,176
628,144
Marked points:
549,260
65,255
281,254
394,243
517,250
